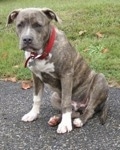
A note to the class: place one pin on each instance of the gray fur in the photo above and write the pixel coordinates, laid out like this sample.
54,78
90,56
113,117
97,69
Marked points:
72,80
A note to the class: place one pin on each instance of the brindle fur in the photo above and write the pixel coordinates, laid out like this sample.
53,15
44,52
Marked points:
72,79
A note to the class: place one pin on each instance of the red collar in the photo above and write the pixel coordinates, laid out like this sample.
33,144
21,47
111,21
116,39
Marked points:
47,49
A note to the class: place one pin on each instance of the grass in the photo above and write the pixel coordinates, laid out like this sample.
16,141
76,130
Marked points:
77,15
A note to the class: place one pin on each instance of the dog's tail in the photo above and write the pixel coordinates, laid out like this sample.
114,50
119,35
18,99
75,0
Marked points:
104,112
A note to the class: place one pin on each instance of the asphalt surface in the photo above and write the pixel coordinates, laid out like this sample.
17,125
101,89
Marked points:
38,135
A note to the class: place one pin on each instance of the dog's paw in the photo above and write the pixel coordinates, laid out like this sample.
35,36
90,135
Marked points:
30,116
64,127
66,123
53,121
77,122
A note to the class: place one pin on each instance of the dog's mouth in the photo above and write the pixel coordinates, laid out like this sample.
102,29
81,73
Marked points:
29,49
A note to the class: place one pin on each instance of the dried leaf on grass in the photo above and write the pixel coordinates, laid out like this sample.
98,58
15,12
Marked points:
86,49
26,84
16,66
82,32
114,84
105,50
4,55
12,79
99,35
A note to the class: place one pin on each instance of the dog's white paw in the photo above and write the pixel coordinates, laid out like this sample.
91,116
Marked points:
66,123
30,116
64,127
77,122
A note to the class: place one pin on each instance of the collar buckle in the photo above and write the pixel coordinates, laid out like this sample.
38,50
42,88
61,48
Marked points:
38,56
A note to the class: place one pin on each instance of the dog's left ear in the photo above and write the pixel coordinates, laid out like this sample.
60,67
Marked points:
51,14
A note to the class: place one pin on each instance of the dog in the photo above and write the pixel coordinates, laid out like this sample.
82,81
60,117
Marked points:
79,92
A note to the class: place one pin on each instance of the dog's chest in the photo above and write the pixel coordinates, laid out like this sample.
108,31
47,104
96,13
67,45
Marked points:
40,66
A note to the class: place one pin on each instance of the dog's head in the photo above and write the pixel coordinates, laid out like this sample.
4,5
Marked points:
32,26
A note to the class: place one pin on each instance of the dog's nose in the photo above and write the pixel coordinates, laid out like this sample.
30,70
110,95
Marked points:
27,39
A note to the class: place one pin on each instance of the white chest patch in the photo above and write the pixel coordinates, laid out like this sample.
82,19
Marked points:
37,66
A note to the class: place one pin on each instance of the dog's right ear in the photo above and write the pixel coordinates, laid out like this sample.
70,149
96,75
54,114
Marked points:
12,16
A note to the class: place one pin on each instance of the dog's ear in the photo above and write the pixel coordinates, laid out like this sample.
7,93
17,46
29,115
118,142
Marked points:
51,14
12,16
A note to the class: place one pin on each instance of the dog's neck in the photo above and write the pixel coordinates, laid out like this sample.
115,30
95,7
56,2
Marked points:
43,54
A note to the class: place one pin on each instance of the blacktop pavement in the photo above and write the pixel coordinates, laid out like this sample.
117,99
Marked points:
38,135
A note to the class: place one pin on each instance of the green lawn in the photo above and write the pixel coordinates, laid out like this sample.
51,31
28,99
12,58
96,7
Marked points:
103,54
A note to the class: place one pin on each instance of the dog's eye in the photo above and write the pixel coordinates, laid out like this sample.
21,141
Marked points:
37,25
21,24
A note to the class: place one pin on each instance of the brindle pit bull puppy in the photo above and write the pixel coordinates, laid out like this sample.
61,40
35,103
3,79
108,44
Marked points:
79,92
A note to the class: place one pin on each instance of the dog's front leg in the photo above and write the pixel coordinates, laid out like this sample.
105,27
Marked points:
38,90
66,122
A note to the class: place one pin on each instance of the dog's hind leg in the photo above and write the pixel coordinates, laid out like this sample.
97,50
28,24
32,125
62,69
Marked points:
103,112
97,95
38,90
56,103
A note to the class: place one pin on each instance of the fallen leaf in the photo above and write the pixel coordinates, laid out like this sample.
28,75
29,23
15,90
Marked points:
99,35
12,79
16,66
26,85
105,50
4,55
114,84
86,49
82,32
